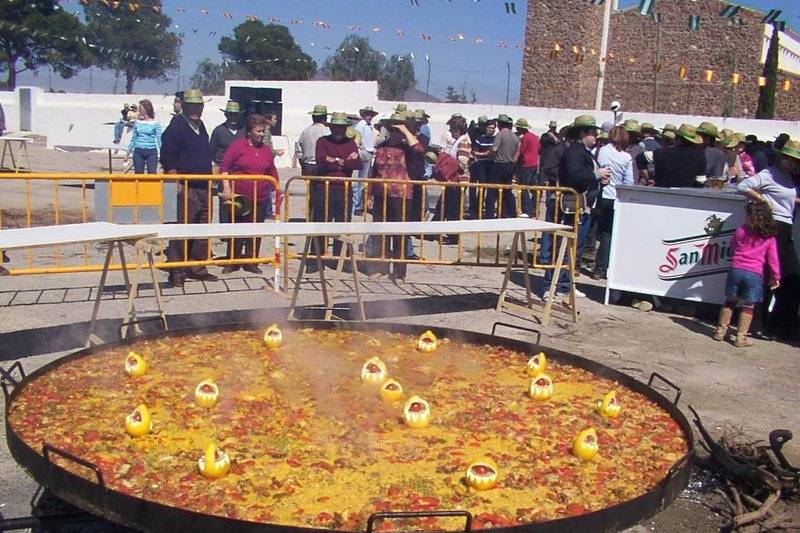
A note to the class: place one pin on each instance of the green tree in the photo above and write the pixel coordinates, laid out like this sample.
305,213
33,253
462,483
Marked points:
354,60
396,78
766,94
210,77
133,40
267,51
33,34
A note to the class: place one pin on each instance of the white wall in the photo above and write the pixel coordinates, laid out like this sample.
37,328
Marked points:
80,119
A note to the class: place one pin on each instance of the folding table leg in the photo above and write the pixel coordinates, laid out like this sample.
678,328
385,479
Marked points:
3,156
92,338
27,159
300,272
573,261
511,257
526,273
562,250
131,316
354,266
330,301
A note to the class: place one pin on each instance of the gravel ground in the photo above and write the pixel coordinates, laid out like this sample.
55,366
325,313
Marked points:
42,317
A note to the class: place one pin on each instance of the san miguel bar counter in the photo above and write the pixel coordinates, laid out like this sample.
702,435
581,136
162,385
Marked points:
673,242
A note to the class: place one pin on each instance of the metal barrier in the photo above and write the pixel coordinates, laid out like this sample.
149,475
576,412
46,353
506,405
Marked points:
64,198
548,204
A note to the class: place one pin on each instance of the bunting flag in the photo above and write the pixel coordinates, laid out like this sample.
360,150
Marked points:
415,3
683,73
709,75
597,2
511,8
694,22
787,85
645,7
736,78
762,81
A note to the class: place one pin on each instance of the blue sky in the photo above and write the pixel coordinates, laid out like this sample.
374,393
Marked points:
481,68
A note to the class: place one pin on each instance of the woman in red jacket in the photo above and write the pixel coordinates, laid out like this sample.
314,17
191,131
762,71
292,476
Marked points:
249,155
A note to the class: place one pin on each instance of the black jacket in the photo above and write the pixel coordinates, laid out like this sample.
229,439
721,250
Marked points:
577,170
550,161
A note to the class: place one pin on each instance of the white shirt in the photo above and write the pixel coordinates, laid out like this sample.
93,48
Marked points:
367,135
621,166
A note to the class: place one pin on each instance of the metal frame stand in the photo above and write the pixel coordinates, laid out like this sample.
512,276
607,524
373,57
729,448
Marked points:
9,149
130,318
519,244
348,249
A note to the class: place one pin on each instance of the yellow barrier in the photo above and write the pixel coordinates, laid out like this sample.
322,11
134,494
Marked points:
65,198
482,255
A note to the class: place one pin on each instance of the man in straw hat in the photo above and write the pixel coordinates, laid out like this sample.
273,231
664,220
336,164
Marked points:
715,157
221,138
481,162
776,186
185,150
306,145
504,154
336,156
579,170
367,153
680,165
527,164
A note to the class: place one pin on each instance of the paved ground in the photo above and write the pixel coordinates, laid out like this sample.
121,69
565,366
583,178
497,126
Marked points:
43,317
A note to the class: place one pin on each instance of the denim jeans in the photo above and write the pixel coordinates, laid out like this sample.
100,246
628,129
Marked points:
527,176
604,228
562,286
358,187
145,157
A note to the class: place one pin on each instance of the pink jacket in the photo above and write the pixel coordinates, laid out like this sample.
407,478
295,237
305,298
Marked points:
750,252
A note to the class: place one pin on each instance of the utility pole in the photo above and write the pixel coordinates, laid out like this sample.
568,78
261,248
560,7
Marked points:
598,99
508,80
428,83
657,66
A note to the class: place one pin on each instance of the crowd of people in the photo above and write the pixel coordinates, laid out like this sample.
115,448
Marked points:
590,158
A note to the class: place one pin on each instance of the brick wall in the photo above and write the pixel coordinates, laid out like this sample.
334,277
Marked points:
635,43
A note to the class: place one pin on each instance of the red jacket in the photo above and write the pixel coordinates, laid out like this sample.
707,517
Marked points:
529,150
446,168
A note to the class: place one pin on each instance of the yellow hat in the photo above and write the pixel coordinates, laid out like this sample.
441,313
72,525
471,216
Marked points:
193,96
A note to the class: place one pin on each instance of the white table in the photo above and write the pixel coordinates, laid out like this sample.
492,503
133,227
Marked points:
110,147
346,231
22,149
95,232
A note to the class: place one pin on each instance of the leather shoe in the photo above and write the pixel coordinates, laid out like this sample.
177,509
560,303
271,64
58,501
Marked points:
229,269
253,269
205,276
176,279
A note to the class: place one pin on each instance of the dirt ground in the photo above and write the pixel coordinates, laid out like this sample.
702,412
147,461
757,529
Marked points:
756,390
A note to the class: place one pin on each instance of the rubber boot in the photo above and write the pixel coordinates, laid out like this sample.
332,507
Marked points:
725,315
741,334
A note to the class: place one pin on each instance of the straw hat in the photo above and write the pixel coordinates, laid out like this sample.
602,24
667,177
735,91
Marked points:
401,108
505,119
483,119
242,205
584,121
522,124
397,118
632,126
231,107
689,133
647,127
193,96
553,124
367,110
707,128
669,135
670,127
319,110
422,113
731,141
791,148
602,135
339,119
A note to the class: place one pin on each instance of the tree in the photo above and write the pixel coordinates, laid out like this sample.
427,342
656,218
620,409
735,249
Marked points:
133,39
267,52
210,77
454,97
396,78
354,60
40,33
766,94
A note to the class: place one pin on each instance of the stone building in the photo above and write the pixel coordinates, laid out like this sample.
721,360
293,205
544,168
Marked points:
645,59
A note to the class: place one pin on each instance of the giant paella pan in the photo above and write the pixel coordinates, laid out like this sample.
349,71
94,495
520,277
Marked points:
347,426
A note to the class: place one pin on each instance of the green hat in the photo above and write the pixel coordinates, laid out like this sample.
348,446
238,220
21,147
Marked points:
584,121
231,107
418,115
242,206
707,128
422,113
632,126
367,110
431,156
669,135
689,133
505,119
483,119
670,127
552,124
602,135
791,148
725,133
339,119
646,126
193,96
319,110
456,115
522,124
401,108
397,118
731,141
